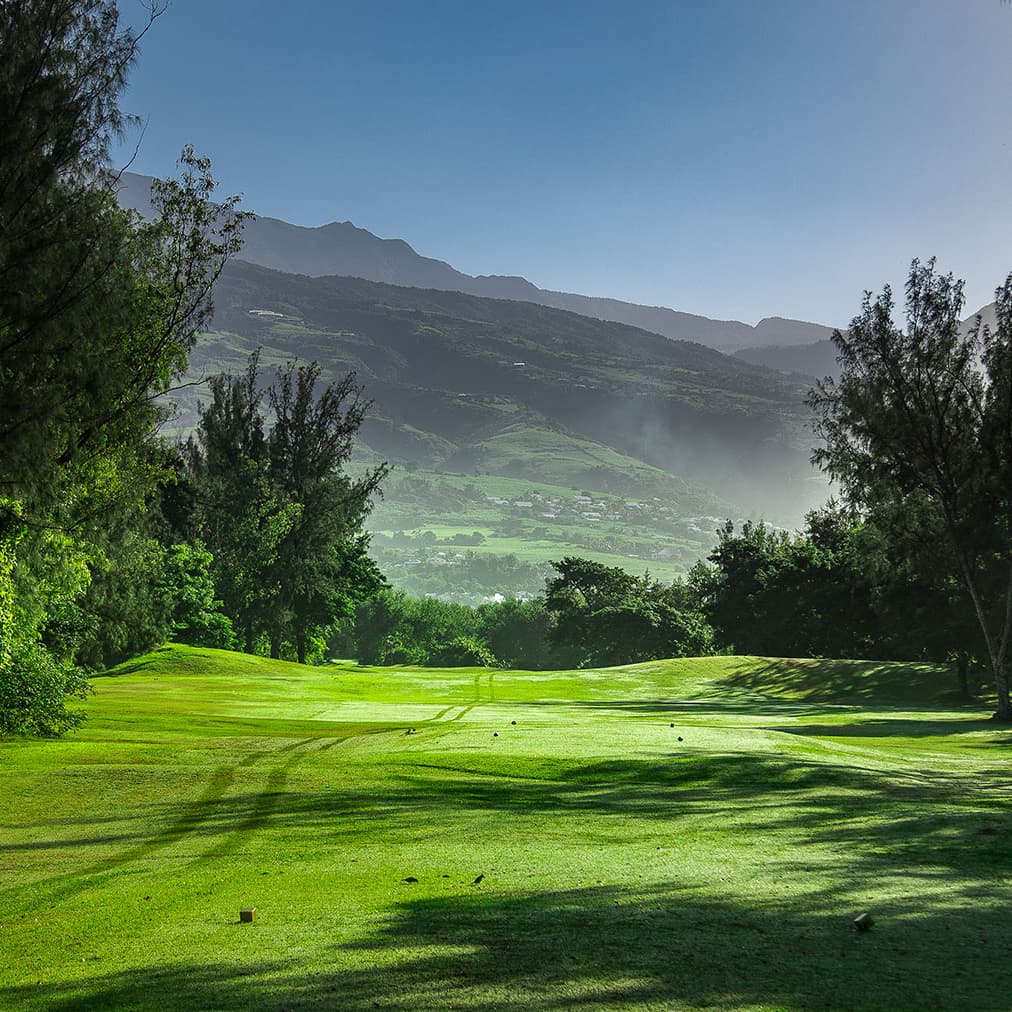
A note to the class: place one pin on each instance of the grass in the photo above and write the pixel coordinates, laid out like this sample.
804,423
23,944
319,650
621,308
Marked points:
622,867
638,527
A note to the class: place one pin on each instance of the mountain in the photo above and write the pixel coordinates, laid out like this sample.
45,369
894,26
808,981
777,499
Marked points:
811,360
987,315
819,359
448,372
342,248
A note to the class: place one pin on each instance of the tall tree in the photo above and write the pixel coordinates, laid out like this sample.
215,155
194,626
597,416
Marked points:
925,412
279,512
241,516
97,309
323,561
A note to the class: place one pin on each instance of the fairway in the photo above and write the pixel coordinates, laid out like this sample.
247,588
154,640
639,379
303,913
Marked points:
677,834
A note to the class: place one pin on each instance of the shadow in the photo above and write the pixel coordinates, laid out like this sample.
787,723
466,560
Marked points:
733,704
663,946
901,727
888,818
883,683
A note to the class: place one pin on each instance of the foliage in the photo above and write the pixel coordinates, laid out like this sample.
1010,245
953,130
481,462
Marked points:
592,615
126,608
769,593
196,616
924,414
34,689
393,628
98,311
323,565
464,652
604,616
276,508
517,632
34,686
866,586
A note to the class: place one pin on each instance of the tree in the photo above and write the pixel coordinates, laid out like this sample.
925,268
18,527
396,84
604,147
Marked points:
922,609
323,565
804,595
239,515
924,414
98,311
605,616
279,513
518,632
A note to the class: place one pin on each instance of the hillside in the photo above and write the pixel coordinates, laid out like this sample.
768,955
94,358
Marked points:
447,372
561,404
341,248
809,360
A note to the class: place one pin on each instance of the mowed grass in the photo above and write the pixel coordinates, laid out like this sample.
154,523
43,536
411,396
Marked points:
407,845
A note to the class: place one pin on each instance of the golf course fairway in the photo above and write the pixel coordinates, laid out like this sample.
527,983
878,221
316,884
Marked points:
680,834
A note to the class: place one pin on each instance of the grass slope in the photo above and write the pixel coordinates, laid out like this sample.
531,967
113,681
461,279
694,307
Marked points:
620,867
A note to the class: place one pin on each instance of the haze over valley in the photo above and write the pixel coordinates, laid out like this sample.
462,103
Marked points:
523,425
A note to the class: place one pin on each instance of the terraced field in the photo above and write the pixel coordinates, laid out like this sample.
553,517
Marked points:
681,834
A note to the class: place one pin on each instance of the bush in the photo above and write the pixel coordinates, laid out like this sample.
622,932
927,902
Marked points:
464,652
33,693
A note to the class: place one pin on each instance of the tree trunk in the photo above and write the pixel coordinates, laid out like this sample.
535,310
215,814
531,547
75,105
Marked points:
300,644
1004,711
276,644
996,651
248,647
963,674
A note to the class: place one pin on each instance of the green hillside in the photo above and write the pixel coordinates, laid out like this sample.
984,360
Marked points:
568,497
679,834
448,372
488,388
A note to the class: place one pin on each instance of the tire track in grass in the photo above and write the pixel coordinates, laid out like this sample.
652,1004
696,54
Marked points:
440,718
68,884
203,814
268,801
194,817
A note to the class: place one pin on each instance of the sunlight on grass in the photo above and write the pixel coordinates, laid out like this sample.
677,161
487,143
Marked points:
691,833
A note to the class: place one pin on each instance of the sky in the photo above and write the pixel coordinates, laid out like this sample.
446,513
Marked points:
733,158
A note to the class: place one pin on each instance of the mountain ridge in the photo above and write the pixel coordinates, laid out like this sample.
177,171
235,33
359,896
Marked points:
447,371
346,250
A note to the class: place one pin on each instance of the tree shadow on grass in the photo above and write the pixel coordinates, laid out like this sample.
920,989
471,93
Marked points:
898,727
663,946
737,703
882,683
932,821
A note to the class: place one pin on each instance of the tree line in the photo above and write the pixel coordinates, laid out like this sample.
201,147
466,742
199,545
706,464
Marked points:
111,540
915,559
250,534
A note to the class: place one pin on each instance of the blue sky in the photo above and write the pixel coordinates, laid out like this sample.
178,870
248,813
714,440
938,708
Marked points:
731,158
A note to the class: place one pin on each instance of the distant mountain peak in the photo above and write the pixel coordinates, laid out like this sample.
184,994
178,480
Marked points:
343,249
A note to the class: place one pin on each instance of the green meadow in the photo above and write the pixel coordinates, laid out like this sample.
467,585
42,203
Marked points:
679,834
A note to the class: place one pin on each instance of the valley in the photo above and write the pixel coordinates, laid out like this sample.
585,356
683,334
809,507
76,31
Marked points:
629,447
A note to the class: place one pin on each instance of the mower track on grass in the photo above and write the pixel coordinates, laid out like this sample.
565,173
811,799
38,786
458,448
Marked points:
205,814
